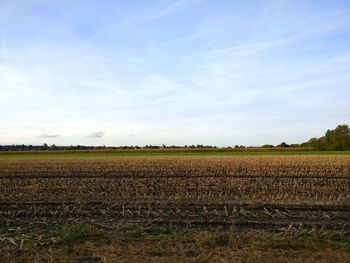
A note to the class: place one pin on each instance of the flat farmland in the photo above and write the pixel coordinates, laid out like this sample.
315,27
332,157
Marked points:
228,208
248,191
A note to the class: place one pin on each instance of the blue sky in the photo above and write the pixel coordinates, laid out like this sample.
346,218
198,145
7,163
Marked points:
175,72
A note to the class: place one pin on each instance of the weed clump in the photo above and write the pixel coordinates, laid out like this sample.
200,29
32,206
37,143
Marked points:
76,232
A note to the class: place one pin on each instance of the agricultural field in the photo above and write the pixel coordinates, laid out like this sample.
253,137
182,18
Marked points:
221,202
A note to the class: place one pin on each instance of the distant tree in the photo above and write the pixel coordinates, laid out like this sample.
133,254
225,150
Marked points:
283,144
338,139
267,146
53,147
318,143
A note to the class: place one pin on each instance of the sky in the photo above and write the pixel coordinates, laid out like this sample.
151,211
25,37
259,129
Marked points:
137,72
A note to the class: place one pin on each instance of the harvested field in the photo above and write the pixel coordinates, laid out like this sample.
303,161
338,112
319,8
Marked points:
249,192
175,209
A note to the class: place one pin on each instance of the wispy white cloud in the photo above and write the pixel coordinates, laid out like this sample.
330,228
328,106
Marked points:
169,9
253,47
137,18
263,45
94,135
50,136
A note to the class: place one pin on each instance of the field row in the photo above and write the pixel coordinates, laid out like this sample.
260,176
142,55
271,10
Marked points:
179,190
107,214
205,166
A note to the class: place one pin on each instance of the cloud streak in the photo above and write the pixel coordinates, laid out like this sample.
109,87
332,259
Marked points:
50,136
168,10
95,135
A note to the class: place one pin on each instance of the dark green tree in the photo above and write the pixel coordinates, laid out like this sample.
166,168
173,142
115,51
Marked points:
338,139
283,144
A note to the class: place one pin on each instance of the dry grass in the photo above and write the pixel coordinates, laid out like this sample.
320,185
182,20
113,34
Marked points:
154,244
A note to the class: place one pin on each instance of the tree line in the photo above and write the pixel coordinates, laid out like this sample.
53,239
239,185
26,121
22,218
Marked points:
333,140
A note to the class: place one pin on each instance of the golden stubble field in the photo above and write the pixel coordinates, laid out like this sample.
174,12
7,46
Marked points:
296,194
197,190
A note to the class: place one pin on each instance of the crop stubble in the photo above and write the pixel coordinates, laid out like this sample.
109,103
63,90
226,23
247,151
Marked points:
248,191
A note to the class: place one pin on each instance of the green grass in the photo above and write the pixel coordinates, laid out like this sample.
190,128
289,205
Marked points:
75,232
139,232
176,154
